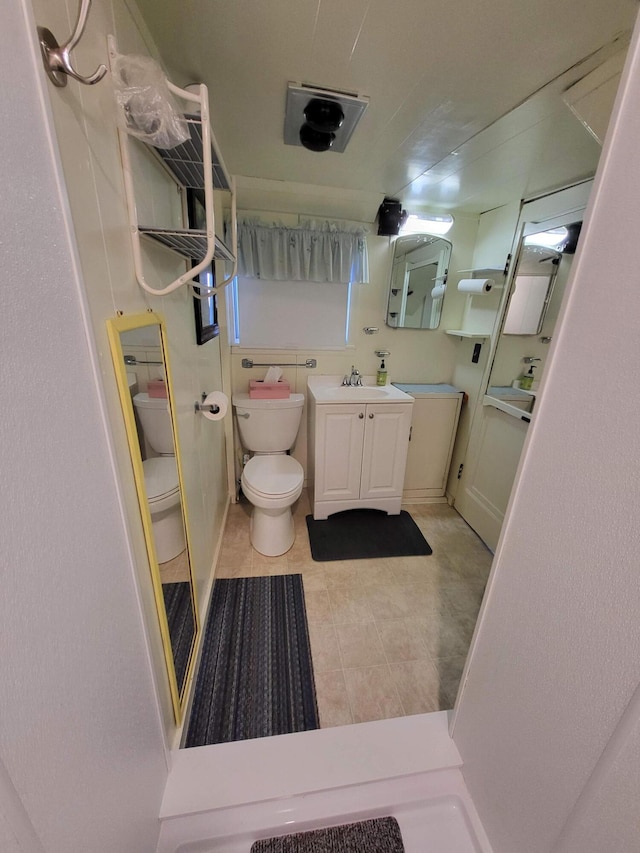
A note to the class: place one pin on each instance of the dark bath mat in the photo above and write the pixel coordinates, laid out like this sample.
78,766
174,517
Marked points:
177,603
365,534
380,835
255,677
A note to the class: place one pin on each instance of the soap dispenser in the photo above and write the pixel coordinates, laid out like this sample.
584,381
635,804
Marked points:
526,381
381,376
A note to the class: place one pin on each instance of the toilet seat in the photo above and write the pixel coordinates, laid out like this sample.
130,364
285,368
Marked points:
272,481
161,482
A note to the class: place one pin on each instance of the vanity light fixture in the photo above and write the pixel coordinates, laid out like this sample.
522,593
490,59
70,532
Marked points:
425,223
321,119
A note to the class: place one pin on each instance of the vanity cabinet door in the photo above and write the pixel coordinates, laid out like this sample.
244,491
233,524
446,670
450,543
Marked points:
384,454
338,451
434,425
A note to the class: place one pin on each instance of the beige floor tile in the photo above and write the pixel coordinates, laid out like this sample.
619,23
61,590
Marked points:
333,701
241,571
418,685
325,651
341,574
441,635
176,570
400,641
450,672
360,645
402,625
318,608
375,572
464,596
313,579
236,554
349,605
372,694
389,601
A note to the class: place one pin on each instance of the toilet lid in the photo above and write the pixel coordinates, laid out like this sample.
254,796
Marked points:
273,475
160,476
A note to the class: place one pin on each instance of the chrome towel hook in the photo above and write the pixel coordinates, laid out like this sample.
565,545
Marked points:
56,59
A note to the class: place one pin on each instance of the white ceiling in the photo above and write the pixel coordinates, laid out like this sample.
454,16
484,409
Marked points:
465,107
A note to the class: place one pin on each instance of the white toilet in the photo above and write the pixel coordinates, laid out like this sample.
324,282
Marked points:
161,476
271,480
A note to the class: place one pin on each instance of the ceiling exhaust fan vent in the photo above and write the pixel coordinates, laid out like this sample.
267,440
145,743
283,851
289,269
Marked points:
320,119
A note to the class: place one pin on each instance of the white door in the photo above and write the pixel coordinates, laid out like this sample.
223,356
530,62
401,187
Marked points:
338,451
497,437
384,455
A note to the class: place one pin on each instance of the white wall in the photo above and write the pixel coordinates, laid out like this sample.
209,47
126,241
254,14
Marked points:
548,721
82,759
416,355
85,127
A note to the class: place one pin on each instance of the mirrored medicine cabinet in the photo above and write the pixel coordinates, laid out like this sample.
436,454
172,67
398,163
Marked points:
140,358
418,281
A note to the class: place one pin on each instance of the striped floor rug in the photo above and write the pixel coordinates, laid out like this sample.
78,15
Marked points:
380,835
177,603
255,677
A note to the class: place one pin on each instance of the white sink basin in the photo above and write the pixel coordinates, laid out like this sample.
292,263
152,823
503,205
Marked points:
328,389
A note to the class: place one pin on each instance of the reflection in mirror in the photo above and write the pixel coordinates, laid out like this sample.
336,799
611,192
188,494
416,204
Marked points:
543,266
144,382
418,281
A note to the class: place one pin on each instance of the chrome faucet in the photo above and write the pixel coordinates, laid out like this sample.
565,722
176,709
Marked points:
355,379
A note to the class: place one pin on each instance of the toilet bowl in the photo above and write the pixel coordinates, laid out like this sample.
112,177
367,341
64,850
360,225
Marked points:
161,477
163,495
272,484
271,480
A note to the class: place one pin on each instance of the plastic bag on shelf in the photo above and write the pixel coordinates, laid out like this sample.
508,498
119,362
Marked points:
149,110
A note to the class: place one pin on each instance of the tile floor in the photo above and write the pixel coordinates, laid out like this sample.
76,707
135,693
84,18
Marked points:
388,637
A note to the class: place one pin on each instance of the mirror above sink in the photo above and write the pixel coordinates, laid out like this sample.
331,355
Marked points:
418,281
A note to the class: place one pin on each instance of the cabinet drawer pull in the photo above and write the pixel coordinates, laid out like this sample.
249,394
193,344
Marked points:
371,415
361,415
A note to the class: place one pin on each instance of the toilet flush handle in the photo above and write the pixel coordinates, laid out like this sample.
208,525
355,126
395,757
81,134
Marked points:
242,414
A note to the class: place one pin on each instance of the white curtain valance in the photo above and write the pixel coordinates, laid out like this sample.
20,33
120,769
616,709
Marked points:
312,252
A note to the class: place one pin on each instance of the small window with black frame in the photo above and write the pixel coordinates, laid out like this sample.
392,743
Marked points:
205,308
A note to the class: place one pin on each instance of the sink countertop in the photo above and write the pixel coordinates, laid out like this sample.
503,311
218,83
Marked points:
329,389
425,389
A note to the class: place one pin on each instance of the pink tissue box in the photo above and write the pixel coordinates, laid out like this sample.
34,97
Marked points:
260,390
156,388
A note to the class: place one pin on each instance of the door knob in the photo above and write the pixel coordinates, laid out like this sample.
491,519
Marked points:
361,415
371,415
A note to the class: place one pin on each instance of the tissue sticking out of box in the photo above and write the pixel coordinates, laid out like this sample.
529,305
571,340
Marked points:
273,374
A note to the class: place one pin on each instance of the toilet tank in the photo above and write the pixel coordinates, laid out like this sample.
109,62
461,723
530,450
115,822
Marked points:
268,426
155,420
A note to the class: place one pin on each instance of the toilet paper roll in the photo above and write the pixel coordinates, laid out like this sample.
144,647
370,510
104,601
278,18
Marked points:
475,285
438,291
216,398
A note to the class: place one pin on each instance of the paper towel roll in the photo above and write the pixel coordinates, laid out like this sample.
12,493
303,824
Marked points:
475,285
216,398
438,291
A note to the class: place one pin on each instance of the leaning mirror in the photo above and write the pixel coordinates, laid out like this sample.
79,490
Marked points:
140,358
418,281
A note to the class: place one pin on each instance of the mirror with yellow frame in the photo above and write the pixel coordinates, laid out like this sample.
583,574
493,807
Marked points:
140,357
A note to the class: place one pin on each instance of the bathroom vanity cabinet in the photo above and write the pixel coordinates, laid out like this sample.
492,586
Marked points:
357,454
436,412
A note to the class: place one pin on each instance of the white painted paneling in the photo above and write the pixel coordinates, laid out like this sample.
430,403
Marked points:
556,658
81,736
